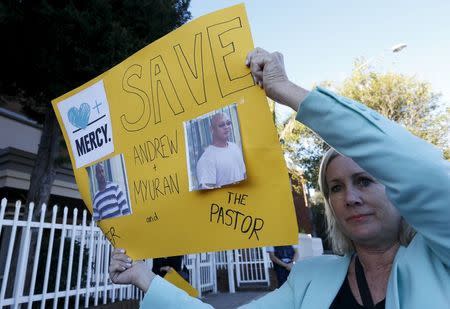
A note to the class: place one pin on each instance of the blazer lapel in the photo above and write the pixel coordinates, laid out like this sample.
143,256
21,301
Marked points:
326,283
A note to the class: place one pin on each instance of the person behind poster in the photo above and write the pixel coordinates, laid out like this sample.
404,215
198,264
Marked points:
222,162
162,265
109,201
283,259
387,206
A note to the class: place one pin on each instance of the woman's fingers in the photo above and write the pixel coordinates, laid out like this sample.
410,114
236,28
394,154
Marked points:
265,65
118,267
256,65
122,258
258,51
121,267
119,262
269,72
257,72
117,251
119,255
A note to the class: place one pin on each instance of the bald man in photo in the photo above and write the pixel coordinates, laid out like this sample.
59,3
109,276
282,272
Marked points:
222,162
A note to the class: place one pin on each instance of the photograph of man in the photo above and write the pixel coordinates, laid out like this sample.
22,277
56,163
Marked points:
214,149
222,162
109,200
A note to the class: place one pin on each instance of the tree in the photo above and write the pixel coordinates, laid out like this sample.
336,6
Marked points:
403,99
406,100
295,174
55,46
304,148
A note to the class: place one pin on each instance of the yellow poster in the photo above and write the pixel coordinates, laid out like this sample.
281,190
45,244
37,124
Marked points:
174,149
173,277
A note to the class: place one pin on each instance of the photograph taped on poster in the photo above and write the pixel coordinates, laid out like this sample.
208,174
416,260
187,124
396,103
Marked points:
109,189
214,149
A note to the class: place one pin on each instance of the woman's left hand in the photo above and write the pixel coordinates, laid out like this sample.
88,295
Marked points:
122,270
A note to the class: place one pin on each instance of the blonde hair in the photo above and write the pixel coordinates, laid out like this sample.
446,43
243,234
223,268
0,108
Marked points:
340,243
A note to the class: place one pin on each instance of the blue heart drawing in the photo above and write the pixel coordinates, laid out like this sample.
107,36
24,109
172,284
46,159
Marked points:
79,117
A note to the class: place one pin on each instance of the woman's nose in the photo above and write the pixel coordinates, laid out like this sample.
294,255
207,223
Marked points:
353,197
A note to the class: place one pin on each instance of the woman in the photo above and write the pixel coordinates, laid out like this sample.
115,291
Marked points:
381,181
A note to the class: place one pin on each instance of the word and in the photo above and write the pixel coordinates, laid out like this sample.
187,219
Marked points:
92,140
159,147
236,220
237,198
152,218
155,187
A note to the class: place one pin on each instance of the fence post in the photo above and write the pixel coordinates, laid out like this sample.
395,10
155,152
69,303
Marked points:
106,254
69,269
37,254
21,269
97,266
10,251
230,271
197,275
60,257
89,270
237,265
214,271
2,213
80,260
266,265
49,256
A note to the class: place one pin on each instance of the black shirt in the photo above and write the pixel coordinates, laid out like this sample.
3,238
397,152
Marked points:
345,299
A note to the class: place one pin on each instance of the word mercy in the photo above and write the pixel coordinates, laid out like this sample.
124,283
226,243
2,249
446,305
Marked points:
92,140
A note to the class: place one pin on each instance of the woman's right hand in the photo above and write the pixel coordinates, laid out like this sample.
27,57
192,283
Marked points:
122,270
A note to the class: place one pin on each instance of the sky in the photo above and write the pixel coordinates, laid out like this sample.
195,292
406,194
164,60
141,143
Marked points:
321,39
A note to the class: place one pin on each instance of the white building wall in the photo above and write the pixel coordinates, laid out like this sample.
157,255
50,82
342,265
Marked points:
18,135
19,132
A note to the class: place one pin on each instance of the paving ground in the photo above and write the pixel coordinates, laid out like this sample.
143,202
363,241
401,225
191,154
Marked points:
218,301
228,300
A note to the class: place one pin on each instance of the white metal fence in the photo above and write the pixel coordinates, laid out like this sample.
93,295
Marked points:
60,261
252,266
202,271
55,261
245,266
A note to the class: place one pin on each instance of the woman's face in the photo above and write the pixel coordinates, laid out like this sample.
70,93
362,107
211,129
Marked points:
362,209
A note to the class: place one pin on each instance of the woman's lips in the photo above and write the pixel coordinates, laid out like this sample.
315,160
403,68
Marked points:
359,218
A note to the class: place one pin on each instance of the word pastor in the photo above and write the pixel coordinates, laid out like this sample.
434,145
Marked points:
236,220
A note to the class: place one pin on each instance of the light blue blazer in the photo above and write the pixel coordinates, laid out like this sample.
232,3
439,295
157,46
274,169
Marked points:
417,182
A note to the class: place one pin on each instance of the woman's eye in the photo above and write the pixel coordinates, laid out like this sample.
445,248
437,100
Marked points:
335,188
364,182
